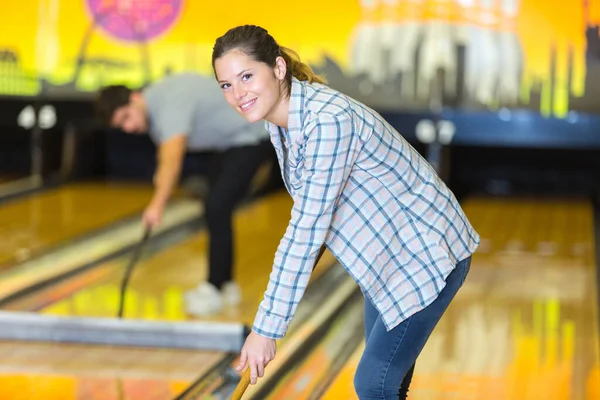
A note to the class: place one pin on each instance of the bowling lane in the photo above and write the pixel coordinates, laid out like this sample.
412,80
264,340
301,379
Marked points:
525,324
310,378
156,292
159,280
39,222
9,178
82,372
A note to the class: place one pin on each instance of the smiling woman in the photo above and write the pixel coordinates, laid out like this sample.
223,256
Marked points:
259,68
350,175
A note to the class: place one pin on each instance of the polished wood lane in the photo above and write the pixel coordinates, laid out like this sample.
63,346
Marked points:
310,378
525,324
33,224
156,293
342,387
32,371
158,282
9,178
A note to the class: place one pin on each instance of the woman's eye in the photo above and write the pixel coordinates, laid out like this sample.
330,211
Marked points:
224,86
246,76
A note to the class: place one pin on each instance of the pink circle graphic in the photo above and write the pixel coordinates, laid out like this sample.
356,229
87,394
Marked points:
135,20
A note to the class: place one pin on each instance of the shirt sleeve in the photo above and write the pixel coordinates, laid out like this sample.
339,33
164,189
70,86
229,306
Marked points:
175,118
328,158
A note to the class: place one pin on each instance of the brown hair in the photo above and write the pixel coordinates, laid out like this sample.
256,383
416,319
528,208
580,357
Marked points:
257,43
110,99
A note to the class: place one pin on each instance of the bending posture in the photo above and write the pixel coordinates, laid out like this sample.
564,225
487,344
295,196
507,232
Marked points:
187,112
362,191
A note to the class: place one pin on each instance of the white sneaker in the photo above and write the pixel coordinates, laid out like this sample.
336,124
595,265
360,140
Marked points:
203,300
232,295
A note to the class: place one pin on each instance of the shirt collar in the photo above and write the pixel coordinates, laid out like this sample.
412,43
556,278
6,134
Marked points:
295,113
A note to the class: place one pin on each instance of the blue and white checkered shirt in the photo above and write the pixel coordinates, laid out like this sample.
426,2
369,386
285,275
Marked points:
362,190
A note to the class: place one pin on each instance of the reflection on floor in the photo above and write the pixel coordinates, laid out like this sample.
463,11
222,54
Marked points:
7,178
80,372
35,223
155,293
158,282
525,325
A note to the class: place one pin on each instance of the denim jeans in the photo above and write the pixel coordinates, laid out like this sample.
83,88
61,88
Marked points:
386,367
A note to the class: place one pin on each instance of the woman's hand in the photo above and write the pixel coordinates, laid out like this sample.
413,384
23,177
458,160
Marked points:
258,351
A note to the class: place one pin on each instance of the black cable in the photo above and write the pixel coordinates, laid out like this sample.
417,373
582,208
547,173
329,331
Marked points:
136,255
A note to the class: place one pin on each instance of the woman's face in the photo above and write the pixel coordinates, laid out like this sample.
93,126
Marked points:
253,88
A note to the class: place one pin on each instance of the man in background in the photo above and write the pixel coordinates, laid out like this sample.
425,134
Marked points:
188,112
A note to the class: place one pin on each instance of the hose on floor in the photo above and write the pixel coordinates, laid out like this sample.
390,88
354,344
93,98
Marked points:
137,251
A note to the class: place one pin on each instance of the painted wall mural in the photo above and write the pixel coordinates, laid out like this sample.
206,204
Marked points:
476,54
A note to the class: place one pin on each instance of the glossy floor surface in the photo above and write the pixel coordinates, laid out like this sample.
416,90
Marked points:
78,372
524,326
160,279
155,292
4,178
36,223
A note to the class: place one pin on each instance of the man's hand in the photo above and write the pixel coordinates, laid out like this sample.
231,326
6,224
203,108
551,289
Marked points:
153,215
257,352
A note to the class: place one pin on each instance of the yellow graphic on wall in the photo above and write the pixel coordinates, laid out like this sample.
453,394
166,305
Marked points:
494,53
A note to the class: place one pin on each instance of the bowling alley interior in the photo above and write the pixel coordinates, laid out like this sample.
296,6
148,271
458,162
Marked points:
497,96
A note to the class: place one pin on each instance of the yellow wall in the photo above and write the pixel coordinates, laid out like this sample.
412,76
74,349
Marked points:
50,46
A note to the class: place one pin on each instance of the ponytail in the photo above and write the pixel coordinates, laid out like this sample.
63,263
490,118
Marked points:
297,68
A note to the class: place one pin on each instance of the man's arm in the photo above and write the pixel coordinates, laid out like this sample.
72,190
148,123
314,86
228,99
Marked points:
171,154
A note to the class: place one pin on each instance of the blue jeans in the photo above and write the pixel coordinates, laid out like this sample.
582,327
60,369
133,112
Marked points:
386,367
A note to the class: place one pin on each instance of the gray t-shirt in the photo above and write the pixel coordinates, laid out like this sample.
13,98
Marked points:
194,105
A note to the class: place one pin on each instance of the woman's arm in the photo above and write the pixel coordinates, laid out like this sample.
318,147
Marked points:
329,154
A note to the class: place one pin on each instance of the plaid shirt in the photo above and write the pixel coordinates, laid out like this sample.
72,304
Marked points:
359,188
